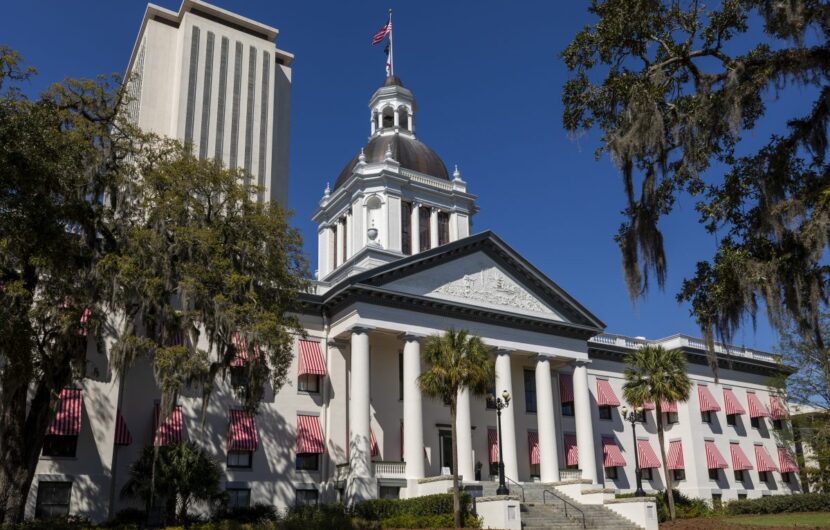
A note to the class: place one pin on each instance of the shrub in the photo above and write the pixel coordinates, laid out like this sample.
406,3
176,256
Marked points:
257,513
444,520
439,504
321,517
68,522
128,517
805,502
684,507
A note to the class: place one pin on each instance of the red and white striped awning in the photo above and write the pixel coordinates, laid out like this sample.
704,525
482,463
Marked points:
714,460
756,408
571,450
707,400
740,462
242,433
311,358
778,411
649,405
605,394
373,444
242,354
763,459
566,388
309,435
611,455
731,403
668,406
785,460
493,445
170,430
67,420
674,458
533,447
648,458
122,433
85,316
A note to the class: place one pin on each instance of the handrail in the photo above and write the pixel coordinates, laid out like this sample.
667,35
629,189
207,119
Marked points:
565,503
516,483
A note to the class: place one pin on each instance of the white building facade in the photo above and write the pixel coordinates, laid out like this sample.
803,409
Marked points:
398,263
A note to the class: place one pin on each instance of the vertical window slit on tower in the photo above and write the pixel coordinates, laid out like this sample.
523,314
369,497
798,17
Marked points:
220,105
406,228
206,94
423,228
237,94
191,87
249,112
263,120
443,228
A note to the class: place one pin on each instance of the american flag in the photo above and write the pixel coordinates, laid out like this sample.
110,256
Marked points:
385,30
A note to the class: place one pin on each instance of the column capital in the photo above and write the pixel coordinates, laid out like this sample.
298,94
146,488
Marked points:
504,351
361,328
582,362
540,358
410,336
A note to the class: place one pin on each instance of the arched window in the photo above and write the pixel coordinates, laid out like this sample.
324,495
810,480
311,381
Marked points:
388,117
373,217
403,117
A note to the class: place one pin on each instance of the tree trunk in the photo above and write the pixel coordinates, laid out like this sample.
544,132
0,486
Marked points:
661,441
456,494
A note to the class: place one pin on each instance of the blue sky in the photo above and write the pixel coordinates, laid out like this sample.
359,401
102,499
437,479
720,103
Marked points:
487,78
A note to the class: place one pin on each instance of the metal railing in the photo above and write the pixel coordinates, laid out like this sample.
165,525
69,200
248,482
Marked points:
565,503
516,483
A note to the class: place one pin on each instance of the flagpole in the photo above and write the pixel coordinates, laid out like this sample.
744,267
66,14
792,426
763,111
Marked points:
391,46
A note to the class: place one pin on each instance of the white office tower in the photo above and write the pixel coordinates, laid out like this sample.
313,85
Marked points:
216,81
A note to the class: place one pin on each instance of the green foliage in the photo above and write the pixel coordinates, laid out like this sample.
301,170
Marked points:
806,502
428,521
319,517
674,87
70,522
256,513
438,504
686,507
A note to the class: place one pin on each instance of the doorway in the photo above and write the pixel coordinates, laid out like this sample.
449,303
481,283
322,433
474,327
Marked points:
445,446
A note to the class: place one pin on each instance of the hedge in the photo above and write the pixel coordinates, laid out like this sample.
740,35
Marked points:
804,502
684,507
439,504
444,520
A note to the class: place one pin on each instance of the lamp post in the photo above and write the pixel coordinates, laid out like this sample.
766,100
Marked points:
501,403
631,417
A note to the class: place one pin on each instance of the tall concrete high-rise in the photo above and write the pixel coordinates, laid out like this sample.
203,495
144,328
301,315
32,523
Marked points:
215,80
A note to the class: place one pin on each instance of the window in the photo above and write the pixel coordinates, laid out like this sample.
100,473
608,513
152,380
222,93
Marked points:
679,474
240,459
443,228
333,247
568,408
611,473
777,425
343,239
605,412
741,496
755,422
646,473
786,477
239,376
308,462
671,418
763,476
713,474
306,497
641,417
739,475
406,228
423,228
238,497
491,397
530,391
400,375
52,499
309,383
706,416
389,492
717,500
730,419
60,446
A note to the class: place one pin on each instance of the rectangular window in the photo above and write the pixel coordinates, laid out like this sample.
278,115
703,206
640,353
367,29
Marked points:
239,376
238,497
605,412
400,375
706,416
309,383
713,474
641,416
679,474
530,391
730,419
389,492
785,477
646,473
568,408
763,476
60,446
777,425
491,398
741,496
717,501
423,228
611,473
52,499
308,462
306,497
671,418
443,228
755,422
240,459
406,228
739,475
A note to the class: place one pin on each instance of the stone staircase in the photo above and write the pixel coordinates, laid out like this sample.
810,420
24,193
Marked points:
542,511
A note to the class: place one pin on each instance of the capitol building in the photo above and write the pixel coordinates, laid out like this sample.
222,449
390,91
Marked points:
397,262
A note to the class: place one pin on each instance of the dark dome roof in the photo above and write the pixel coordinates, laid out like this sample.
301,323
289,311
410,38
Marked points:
408,151
393,80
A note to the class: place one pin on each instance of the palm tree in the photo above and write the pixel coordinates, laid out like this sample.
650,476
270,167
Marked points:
656,375
456,360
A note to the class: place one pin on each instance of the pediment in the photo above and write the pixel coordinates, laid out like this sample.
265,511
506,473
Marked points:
476,279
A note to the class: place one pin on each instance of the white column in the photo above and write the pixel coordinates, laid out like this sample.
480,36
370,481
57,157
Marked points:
380,120
349,240
413,420
416,228
504,381
333,247
412,122
464,429
548,458
339,250
361,484
397,118
433,228
372,121
584,425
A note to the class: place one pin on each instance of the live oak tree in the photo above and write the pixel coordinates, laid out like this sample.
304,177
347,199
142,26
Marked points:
455,360
674,87
110,233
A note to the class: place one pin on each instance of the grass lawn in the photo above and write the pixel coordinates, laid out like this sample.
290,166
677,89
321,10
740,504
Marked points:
792,520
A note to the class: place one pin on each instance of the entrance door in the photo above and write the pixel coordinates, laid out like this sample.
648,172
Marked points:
445,443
